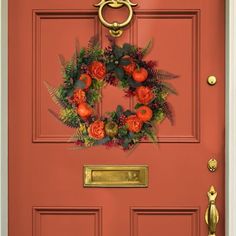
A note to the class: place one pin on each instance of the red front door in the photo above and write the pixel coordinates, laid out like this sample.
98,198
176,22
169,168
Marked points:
47,196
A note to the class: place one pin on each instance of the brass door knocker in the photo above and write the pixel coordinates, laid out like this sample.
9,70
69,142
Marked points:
115,28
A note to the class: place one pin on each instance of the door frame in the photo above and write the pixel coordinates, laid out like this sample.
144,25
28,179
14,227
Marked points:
230,120
4,118
230,178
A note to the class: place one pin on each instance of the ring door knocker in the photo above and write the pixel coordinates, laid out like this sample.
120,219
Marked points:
115,28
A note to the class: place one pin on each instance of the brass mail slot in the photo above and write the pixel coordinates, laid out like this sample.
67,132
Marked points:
116,176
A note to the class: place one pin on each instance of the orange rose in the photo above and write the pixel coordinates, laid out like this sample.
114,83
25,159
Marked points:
79,96
133,123
97,70
144,94
96,130
129,69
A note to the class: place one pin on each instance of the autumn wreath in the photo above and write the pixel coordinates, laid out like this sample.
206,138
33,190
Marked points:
89,71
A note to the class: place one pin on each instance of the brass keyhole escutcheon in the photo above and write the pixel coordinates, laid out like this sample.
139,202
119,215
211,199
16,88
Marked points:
211,80
212,165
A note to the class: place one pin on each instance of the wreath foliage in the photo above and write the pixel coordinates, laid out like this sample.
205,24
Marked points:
92,68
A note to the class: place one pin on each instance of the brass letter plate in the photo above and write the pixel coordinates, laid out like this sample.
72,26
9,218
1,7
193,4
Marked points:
116,176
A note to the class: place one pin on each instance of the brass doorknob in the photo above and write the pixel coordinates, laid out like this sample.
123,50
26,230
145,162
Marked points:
211,80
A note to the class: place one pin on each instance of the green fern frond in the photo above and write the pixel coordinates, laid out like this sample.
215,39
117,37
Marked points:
69,117
147,48
69,69
151,135
64,121
169,88
54,93
164,75
159,116
76,136
62,60
55,114
94,42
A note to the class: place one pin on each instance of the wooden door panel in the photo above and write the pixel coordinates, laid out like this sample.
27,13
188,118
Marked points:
153,221
175,28
66,221
172,27
56,33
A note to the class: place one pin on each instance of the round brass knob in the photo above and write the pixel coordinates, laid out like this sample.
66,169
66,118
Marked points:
211,80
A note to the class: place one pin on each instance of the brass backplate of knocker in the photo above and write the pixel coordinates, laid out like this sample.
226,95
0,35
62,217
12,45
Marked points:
115,28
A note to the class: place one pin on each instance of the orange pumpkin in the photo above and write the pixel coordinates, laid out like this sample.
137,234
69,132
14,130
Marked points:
140,74
144,113
84,110
86,79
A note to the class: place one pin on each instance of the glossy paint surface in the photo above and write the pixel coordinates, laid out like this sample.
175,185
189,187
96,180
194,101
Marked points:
46,193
